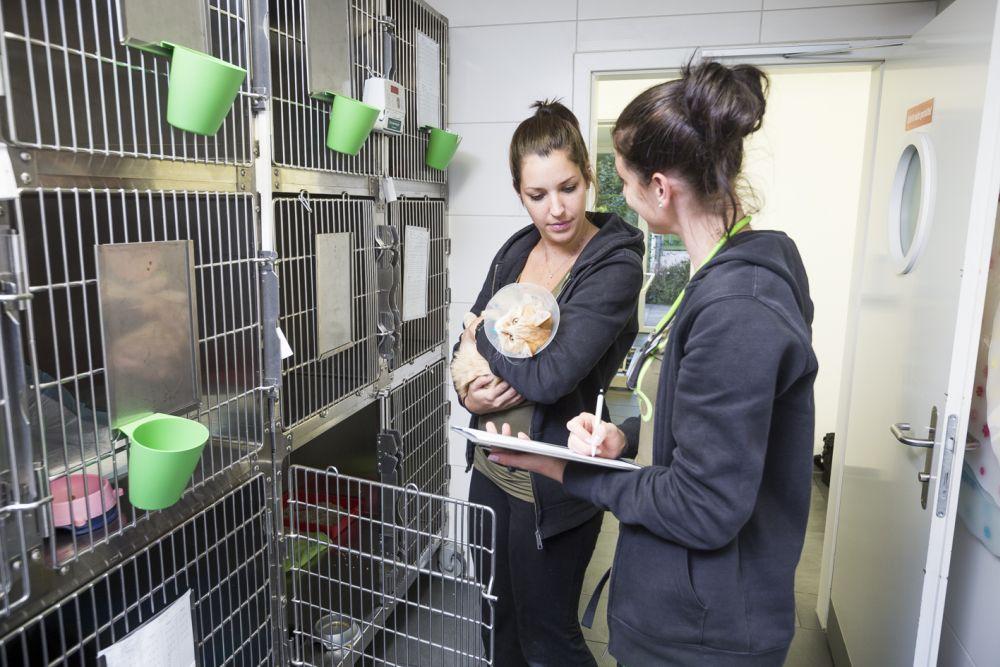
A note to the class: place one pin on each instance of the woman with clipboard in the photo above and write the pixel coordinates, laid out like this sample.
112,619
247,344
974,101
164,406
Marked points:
711,531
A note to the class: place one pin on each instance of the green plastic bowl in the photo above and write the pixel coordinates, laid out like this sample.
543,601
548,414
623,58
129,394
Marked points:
441,148
201,90
351,122
162,454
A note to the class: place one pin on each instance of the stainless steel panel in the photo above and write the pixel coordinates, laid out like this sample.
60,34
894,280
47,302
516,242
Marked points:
145,24
299,120
406,152
222,554
150,327
71,84
334,291
329,42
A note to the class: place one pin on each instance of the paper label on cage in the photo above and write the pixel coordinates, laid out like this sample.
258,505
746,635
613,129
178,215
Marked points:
8,184
416,261
428,81
167,640
286,349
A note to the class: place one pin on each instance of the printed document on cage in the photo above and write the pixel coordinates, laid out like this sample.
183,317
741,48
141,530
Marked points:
416,258
428,82
166,640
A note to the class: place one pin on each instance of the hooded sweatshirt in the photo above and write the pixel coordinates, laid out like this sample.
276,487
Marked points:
598,323
712,531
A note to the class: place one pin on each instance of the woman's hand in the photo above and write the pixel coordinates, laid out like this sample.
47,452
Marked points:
585,437
488,394
543,465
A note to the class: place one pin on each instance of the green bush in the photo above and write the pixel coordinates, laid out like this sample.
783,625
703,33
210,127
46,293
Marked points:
668,283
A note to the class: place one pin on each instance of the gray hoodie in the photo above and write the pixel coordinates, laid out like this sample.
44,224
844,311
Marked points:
711,532
598,324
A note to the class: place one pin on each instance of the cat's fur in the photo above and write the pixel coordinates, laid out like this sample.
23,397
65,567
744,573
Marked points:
523,330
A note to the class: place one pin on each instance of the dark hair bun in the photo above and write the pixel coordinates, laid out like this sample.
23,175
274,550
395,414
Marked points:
557,109
724,103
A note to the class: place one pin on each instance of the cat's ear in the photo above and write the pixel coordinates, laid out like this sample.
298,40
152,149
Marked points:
540,316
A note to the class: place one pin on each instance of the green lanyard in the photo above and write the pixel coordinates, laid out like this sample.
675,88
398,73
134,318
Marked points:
657,346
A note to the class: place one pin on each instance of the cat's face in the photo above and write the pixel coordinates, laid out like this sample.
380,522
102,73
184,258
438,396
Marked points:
524,329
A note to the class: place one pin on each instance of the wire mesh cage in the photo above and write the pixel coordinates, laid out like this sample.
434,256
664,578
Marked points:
322,372
406,152
221,556
300,121
418,411
69,373
359,596
22,524
423,334
72,85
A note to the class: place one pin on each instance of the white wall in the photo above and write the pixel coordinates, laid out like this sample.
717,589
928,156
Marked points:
504,55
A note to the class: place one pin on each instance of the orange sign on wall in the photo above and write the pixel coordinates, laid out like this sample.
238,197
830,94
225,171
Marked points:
922,114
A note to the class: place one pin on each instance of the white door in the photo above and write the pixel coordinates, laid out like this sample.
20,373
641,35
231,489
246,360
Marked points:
924,265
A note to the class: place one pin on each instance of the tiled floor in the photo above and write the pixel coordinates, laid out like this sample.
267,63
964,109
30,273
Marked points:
809,647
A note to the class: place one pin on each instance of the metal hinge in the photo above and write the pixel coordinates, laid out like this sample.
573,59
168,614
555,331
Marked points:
944,483
447,296
447,246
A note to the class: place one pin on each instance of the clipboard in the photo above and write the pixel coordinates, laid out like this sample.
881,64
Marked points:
543,448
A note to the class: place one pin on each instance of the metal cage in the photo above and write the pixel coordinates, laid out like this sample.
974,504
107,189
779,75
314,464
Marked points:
422,335
221,555
312,382
406,152
71,85
372,583
418,411
65,349
299,121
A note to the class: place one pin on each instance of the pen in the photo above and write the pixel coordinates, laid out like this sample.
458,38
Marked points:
597,421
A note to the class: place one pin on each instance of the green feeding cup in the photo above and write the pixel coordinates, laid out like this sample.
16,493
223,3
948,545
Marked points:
201,90
351,122
163,452
441,148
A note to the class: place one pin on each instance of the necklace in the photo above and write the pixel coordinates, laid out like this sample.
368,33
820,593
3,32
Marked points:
552,272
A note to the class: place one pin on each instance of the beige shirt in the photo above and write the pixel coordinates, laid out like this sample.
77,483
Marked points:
515,482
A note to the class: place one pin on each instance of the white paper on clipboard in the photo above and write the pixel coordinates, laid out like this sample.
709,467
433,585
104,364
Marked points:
428,82
416,261
535,447
166,640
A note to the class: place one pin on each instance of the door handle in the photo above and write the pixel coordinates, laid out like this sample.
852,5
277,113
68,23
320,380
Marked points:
901,431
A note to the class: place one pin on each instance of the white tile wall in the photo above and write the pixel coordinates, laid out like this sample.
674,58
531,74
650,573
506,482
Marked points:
805,4
486,88
668,31
488,12
475,240
879,20
479,178
603,9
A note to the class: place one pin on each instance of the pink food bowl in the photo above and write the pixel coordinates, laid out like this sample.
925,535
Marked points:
89,496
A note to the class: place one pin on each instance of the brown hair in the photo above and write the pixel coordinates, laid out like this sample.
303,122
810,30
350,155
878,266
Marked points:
552,127
695,126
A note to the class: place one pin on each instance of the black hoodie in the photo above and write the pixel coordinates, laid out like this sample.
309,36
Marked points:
597,326
711,532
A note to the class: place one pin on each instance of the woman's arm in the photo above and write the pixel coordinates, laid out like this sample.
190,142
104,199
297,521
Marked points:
735,362
589,322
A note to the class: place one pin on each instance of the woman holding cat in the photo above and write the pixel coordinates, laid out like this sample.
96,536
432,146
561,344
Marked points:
544,537
711,532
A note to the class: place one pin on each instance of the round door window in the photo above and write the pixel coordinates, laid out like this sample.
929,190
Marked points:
911,201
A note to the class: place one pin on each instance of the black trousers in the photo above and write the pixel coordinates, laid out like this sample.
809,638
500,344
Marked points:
535,617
